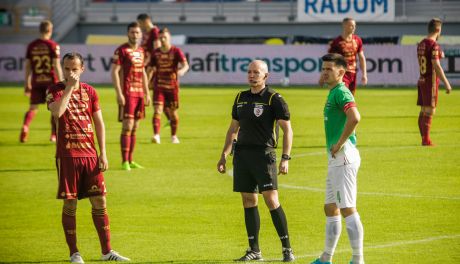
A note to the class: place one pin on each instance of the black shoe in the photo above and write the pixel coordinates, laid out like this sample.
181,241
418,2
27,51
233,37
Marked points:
288,255
251,255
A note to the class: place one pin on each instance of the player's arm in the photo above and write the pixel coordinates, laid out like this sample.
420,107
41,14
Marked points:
156,43
59,106
287,144
232,133
353,118
440,72
100,134
145,80
116,68
363,66
28,78
183,68
57,66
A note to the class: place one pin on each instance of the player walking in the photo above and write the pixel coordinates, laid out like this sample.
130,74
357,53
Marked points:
349,45
168,63
42,70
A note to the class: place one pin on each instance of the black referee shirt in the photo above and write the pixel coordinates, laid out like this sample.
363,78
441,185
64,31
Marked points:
257,115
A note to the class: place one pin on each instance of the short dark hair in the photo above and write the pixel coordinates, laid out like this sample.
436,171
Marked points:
434,25
336,58
134,25
143,17
164,30
45,26
347,19
73,56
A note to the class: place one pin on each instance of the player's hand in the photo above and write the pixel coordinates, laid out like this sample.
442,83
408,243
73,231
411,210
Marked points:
121,100
147,100
448,88
27,93
73,80
334,149
221,164
284,167
103,163
364,80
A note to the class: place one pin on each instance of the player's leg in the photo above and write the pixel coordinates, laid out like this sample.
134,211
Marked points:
125,141
132,163
427,113
247,187
158,103
167,112
28,117
265,167
101,222
347,205
173,102
333,220
68,191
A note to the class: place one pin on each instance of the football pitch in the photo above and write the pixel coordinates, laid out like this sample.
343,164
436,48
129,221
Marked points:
179,209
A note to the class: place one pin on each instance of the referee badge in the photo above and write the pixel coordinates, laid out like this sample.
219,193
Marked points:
258,110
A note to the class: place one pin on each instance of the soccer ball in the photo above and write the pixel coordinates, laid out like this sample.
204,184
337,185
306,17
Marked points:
284,81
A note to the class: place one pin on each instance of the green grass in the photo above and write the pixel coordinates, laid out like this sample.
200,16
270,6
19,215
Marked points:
180,210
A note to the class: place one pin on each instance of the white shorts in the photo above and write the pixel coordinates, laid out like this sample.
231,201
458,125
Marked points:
341,187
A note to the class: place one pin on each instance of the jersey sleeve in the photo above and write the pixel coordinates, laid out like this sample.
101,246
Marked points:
117,57
234,108
180,55
52,95
345,100
56,51
359,41
333,47
436,52
281,108
153,60
28,55
94,101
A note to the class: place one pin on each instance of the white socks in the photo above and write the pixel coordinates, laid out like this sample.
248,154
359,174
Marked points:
355,235
333,230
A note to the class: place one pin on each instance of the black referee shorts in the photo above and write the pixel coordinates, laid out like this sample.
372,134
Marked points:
254,169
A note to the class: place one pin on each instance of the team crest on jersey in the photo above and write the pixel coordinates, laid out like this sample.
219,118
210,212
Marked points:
258,110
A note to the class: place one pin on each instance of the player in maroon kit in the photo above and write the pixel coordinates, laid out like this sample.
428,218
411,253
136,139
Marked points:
429,53
131,85
74,106
150,35
168,63
349,45
42,70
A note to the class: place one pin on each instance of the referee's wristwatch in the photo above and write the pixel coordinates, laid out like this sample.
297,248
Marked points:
285,157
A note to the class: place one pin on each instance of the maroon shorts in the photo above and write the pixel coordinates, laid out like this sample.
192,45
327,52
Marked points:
350,81
166,97
134,108
427,92
38,94
79,178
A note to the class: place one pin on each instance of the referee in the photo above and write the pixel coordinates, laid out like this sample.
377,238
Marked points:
254,128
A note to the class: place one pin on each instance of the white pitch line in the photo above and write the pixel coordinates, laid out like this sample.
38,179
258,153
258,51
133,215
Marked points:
387,245
401,195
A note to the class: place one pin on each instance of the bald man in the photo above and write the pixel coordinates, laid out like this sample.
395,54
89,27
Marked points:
254,138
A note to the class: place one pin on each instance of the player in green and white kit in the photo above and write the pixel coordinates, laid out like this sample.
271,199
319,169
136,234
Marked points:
341,117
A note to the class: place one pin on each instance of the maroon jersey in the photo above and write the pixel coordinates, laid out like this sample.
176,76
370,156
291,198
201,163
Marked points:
132,69
348,49
41,54
148,38
75,133
428,50
166,64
